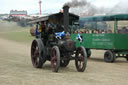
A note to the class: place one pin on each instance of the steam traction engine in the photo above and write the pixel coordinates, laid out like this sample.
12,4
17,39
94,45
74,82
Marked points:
57,46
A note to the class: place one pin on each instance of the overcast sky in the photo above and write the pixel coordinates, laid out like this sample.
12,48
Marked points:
48,6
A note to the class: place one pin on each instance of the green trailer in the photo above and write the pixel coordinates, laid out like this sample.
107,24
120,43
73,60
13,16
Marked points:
113,37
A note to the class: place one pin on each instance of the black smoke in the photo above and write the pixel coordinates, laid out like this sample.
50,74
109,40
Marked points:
76,3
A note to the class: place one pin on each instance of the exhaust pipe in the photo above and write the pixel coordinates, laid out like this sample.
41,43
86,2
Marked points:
66,18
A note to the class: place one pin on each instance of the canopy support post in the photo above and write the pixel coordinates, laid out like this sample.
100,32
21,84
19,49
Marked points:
115,25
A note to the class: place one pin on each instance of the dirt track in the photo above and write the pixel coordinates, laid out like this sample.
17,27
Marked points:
16,69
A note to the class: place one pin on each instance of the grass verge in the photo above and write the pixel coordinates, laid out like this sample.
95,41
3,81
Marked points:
22,36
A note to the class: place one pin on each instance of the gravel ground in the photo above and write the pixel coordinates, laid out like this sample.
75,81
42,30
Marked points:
16,69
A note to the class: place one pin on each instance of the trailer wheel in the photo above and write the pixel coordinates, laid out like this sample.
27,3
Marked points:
80,59
55,59
37,53
88,53
109,56
127,57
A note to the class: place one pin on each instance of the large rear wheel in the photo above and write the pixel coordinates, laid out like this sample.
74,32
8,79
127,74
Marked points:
80,59
55,59
37,53
109,56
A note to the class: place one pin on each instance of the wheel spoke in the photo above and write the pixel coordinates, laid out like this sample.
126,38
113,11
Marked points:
82,58
81,62
36,53
53,59
37,61
33,48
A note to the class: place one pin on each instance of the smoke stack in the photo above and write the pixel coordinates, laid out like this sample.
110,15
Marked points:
66,18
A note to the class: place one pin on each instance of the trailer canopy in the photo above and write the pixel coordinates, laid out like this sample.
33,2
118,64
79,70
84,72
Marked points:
116,17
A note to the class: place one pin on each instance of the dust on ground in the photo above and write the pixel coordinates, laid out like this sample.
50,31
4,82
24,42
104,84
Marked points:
16,69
